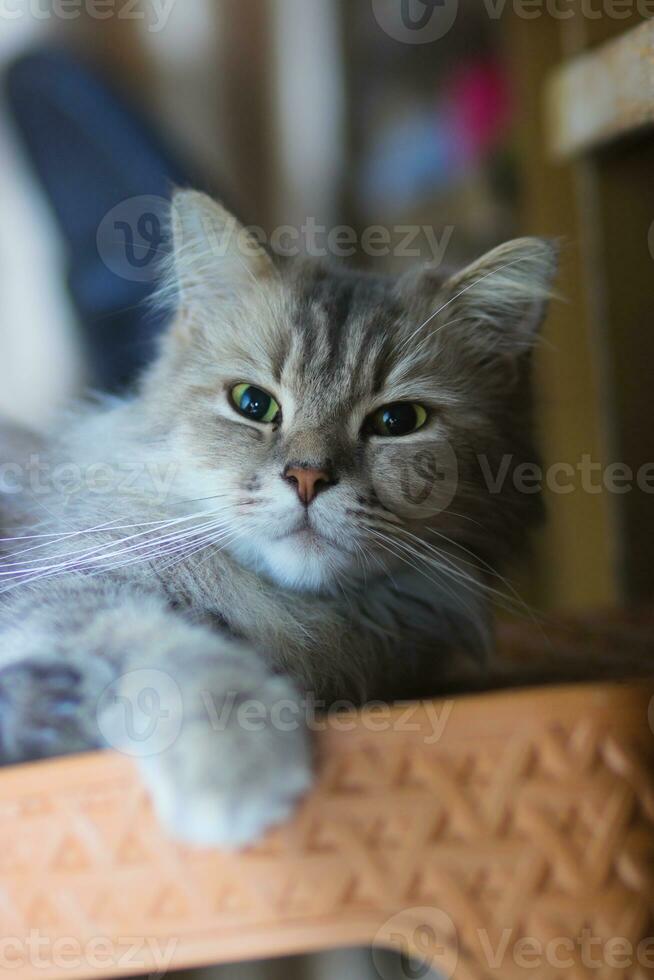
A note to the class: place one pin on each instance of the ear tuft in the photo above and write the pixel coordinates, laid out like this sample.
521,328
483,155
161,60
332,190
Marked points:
506,291
214,258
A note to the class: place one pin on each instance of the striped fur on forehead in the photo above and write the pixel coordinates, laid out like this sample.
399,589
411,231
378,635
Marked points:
344,326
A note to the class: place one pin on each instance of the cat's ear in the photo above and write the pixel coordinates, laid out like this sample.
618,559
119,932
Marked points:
214,257
499,302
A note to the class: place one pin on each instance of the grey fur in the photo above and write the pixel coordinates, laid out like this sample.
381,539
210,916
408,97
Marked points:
268,610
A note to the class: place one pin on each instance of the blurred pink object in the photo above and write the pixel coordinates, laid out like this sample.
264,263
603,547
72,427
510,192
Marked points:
477,104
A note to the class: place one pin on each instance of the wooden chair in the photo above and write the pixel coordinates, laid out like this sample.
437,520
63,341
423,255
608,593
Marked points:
486,836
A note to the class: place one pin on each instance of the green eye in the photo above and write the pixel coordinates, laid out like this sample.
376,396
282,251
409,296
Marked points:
399,419
255,404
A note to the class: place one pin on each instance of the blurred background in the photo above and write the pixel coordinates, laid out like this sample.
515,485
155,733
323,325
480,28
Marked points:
466,122
463,124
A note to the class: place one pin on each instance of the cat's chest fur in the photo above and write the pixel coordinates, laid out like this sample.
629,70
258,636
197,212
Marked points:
375,641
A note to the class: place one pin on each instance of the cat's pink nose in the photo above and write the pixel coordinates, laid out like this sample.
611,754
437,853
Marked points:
308,481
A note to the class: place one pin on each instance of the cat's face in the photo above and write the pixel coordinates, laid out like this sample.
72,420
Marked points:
328,425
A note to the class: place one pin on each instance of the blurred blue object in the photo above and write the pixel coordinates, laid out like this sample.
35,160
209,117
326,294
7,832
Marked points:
108,176
411,158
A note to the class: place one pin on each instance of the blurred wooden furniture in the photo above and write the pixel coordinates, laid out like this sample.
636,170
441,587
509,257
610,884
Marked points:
484,835
586,108
603,94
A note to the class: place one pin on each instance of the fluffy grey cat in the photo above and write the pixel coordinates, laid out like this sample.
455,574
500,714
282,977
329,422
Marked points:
294,505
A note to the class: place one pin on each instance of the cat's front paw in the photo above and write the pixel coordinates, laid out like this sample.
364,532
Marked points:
225,785
47,709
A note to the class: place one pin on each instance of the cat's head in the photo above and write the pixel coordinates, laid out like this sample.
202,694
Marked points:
338,423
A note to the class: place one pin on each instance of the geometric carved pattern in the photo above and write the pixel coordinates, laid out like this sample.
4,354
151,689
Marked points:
506,835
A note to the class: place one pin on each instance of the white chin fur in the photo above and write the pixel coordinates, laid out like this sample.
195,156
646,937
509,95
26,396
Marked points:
304,565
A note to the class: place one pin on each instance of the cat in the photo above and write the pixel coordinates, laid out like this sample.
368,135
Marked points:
290,508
